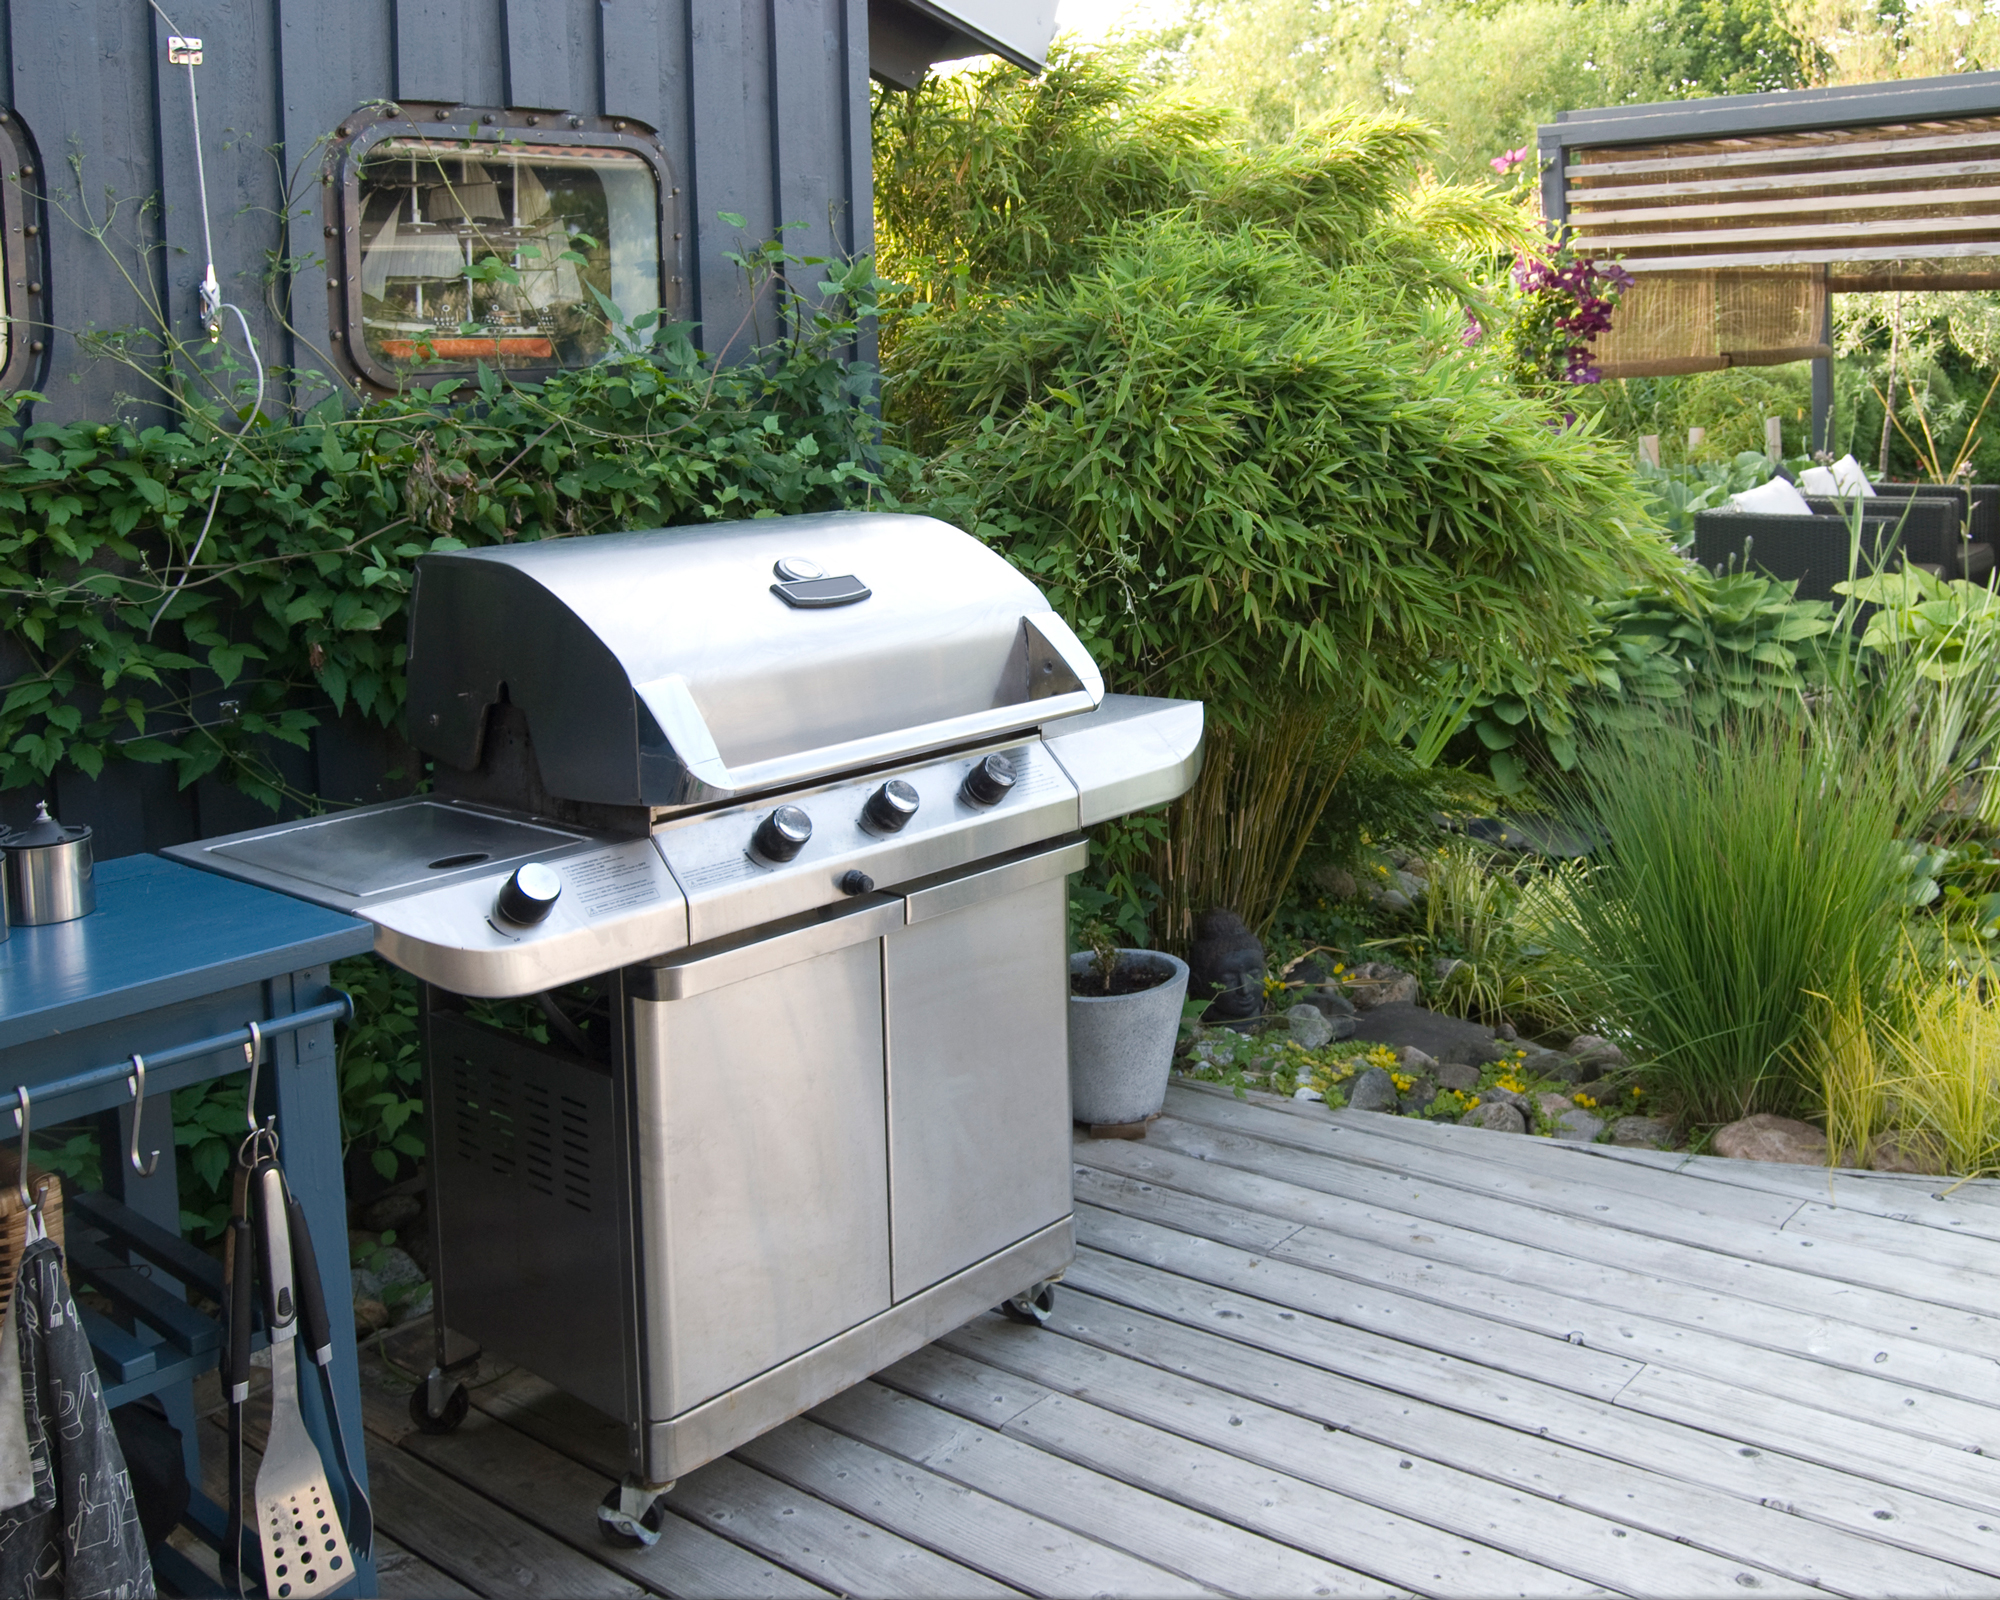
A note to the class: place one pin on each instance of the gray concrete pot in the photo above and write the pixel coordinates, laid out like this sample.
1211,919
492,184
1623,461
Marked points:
1121,1046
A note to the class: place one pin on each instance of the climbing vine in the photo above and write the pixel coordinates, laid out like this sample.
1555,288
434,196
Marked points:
133,636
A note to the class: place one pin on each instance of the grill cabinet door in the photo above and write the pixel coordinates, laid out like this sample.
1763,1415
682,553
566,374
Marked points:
979,1127
761,1165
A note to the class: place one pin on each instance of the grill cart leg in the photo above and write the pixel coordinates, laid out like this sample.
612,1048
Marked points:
1032,1305
631,1514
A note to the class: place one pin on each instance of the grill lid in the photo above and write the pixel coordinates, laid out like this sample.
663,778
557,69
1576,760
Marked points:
683,665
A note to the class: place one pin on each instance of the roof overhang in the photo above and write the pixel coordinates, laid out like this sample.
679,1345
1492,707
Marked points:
907,37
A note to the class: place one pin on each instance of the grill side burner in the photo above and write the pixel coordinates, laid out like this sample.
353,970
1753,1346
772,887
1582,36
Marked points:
797,801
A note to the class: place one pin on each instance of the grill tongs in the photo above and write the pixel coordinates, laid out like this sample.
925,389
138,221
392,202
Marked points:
304,1544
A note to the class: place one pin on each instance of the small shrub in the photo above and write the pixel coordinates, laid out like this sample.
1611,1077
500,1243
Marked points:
1496,930
1743,871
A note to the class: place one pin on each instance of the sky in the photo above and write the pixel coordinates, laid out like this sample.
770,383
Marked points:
1094,19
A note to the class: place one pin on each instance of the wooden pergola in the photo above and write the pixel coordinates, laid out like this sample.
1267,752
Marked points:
1740,216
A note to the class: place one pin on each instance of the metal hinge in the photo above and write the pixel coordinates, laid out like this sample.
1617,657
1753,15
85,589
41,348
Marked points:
183,52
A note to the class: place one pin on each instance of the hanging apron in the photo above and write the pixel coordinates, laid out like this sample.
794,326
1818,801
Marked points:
69,1529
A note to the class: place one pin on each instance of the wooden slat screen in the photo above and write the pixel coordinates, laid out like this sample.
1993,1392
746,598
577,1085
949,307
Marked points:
1922,192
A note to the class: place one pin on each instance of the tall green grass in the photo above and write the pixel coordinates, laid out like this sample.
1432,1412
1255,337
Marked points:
1744,869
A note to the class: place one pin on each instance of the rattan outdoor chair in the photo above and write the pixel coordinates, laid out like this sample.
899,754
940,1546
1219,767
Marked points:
1813,552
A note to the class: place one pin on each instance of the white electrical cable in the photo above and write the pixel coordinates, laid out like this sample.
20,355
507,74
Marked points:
217,497
212,307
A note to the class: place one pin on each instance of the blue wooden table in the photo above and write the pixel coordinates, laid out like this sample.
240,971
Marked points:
173,955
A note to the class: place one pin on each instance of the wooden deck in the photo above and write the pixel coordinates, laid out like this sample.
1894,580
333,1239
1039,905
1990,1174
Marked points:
1333,1354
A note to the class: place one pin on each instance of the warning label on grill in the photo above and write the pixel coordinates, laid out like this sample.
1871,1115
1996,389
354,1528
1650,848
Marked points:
715,872
612,881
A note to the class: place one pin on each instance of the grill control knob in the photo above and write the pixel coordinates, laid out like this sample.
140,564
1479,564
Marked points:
783,834
989,780
890,806
529,895
856,882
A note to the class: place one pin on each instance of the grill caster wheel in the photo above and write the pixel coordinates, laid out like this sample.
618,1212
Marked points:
456,1404
1033,1307
631,1514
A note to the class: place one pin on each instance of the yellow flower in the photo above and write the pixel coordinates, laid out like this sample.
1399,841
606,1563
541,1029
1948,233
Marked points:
1637,1091
1403,1081
1585,1101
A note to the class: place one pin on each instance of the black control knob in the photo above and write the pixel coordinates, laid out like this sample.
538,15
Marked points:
988,782
890,806
856,882
529,895
783,834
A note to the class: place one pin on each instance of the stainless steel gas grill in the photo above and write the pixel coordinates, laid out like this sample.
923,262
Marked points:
797,798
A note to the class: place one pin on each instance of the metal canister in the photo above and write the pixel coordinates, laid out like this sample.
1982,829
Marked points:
50,877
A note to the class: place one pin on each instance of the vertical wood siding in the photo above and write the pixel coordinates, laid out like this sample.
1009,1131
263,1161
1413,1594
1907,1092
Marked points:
760,105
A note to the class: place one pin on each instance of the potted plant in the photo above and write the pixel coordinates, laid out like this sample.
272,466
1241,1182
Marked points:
1124,1014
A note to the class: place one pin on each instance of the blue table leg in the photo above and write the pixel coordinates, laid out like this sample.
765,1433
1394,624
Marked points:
304,1092
157,1199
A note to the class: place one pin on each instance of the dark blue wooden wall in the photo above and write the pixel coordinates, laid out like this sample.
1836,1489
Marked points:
761,106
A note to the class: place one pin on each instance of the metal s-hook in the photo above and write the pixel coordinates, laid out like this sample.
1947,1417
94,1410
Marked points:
147,1168
259,1142
251,1051
21,1176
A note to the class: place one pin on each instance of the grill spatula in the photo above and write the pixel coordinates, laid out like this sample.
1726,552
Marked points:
305,1547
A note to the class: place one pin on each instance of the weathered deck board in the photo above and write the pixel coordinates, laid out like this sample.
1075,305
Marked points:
1286,1185
1639,1316
1328,1354
1745,1524
1530,1527
973,1452
1518,1173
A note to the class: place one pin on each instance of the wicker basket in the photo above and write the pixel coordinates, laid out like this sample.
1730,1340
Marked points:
14,1221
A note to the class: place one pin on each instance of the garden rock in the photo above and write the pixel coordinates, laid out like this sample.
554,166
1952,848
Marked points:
1331,999
1400,1022
1592,1051
1553,1107
1310,1028
1564,1069
1506,1031
1443,967
1643,1132
1458,1075
1337,882
1372,1090
1410,885
1226,961
1307,1094
1394,900
392,1211
1906,1151
1497,1116
1578,1125
1767,1137
1375,983
1418,1095
1505,1097
370,1316
1411,1059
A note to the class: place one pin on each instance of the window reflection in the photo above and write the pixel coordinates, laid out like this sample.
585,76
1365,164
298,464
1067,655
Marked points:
518,256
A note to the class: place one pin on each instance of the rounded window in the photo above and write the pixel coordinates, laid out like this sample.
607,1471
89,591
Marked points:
24,303
491,239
